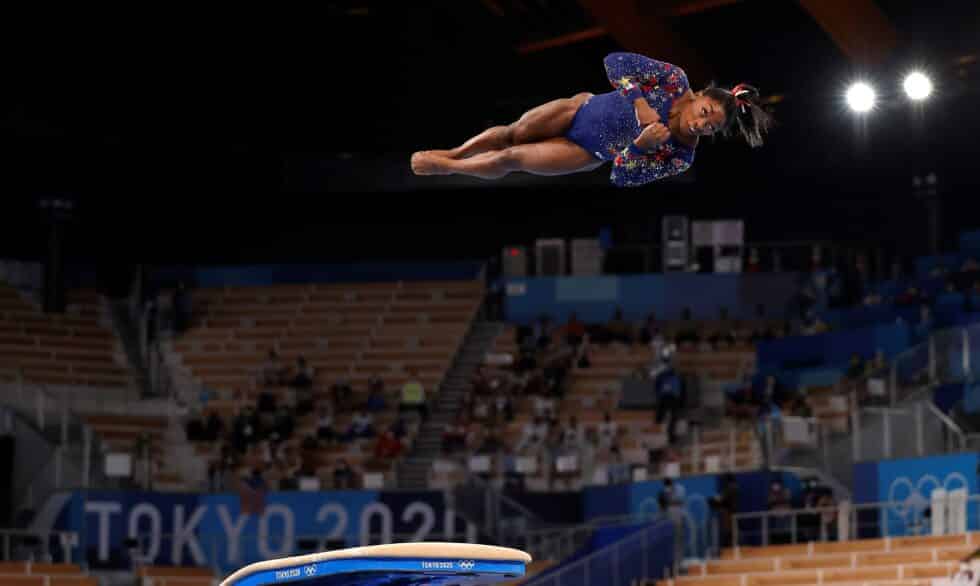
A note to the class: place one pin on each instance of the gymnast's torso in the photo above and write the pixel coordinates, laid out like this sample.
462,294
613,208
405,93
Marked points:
606,124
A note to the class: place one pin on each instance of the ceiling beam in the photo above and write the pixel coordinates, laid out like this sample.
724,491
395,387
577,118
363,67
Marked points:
644,27
689,7
858,27
562,40
683,8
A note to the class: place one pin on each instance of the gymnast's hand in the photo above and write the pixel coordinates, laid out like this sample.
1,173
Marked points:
652,136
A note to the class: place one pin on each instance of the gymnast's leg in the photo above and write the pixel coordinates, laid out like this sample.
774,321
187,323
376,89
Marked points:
541,123
555,156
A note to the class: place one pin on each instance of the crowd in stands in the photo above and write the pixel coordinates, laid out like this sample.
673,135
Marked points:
529,386
281,438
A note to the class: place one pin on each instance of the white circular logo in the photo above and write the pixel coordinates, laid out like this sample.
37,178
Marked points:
467,564
910,501
310,570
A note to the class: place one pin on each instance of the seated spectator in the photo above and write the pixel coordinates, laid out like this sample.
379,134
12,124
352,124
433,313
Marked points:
527,361
723,339
376,384
542,332
779,500
544,407
503,409
245,429
325,425
574,330
375,400
618,329
343,475
267,401
480,409
342,393
362,426
304,373
607,431
303,386
571,435
970,264
705,343
284,424
454,436
387,446
650,329
413,396
213,427
273,372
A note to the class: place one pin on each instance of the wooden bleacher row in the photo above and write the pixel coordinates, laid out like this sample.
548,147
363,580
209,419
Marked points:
122,431
43,574
637,432
338,292
900,560
353,331
58,349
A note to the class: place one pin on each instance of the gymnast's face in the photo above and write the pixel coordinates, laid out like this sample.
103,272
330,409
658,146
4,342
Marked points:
703,116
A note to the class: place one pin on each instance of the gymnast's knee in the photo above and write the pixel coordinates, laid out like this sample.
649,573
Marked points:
511,158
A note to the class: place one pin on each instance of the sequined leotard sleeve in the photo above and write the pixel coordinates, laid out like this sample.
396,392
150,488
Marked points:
636,76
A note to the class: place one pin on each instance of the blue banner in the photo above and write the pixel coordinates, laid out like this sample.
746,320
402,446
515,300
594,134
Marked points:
908,484
192,529
595,299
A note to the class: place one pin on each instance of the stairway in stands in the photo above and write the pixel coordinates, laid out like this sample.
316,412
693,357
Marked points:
414,470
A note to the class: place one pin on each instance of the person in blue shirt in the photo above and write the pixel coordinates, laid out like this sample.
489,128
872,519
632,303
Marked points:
668,388
648,127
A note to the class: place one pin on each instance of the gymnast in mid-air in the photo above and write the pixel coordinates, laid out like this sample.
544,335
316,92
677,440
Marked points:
648,126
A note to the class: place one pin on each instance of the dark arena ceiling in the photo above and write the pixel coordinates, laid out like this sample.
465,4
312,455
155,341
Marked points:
269,122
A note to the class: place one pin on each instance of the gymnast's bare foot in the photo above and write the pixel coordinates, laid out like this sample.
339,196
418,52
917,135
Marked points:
428,163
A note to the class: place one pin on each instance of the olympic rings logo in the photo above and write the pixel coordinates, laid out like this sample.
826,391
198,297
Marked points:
909,501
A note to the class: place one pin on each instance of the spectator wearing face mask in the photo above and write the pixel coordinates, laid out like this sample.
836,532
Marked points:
780,502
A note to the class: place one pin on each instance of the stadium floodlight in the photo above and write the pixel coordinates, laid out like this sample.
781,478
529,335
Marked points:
917,86
861,97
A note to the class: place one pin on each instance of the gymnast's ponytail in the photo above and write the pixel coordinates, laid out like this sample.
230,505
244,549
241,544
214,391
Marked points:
743,112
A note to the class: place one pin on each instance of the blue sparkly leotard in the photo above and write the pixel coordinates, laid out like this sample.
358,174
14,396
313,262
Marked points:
606,124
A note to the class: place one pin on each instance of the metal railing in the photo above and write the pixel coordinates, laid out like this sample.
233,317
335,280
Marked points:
644,554
940,512
946,356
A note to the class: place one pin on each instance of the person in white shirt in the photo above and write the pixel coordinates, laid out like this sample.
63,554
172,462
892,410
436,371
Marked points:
608,430
324,425
571,435
361,426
